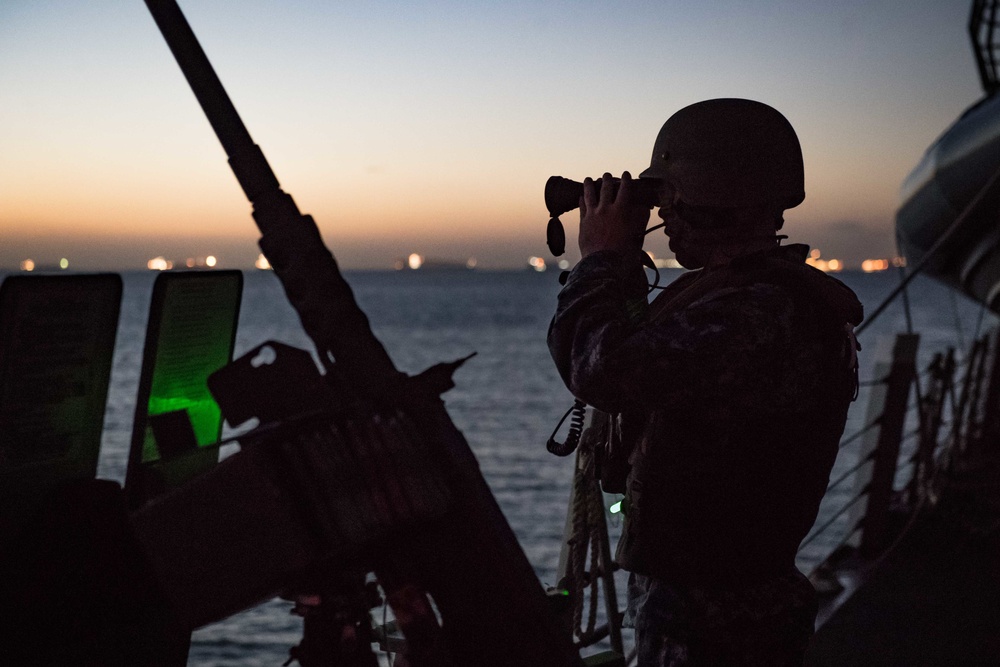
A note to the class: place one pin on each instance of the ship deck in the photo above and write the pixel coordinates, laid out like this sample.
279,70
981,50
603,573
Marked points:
934,600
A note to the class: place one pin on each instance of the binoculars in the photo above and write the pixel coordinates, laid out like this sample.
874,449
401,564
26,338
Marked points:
563,194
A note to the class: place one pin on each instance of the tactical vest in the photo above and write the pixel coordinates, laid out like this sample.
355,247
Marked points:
724,502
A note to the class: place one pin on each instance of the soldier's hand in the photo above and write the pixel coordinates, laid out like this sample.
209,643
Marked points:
609,221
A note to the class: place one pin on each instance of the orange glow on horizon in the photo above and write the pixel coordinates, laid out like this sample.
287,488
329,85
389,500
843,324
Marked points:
826,265
159,264
874,265
442,140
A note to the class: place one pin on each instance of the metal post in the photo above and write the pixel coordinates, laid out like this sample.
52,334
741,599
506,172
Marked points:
940,371
974,424
990,433
608,574
883,447
964,412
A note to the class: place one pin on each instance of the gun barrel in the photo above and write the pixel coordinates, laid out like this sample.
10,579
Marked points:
246,159
470,561
291,241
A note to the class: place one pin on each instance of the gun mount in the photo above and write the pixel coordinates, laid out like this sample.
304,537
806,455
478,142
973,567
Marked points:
458,546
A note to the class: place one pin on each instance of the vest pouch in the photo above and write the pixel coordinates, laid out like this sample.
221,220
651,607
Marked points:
611,452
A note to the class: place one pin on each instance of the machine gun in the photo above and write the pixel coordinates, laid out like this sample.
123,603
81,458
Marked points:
278,514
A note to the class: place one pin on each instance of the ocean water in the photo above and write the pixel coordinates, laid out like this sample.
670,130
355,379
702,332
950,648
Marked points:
507,400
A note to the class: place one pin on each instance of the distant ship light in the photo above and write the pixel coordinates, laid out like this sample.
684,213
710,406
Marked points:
159,264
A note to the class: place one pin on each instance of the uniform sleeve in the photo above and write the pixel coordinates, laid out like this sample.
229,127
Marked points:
726,350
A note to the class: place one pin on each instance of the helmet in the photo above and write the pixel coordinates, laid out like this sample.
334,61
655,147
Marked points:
729,153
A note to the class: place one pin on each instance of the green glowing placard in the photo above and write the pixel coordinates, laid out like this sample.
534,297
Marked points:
190,335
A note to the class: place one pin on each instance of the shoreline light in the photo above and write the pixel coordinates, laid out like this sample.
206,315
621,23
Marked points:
262,263
824,265
206,262
159,264
28,265
537,263
415,261
874,265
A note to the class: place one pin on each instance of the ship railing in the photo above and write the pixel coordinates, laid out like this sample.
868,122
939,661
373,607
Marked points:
915,425
918,427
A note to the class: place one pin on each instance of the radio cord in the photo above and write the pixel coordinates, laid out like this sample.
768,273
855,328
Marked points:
579,414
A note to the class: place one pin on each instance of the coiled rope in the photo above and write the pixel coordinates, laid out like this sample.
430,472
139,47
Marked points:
588,501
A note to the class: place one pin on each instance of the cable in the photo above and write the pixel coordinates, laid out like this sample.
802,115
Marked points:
579,412
846,441
874,383
906,292
934,249
979,320
833,518
656,281
959,333
853,469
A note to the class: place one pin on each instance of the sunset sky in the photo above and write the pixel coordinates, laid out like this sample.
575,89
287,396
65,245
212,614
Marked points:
431,127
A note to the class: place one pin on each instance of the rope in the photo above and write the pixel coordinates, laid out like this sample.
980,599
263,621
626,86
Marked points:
587,502
595,505
578,545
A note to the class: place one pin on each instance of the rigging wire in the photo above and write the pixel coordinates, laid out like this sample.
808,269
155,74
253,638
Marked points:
864,429
906,291
934,249
850,471
830,521
979,320
959,333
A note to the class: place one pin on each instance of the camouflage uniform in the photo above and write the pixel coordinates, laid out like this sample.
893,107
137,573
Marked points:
765,625
734,384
